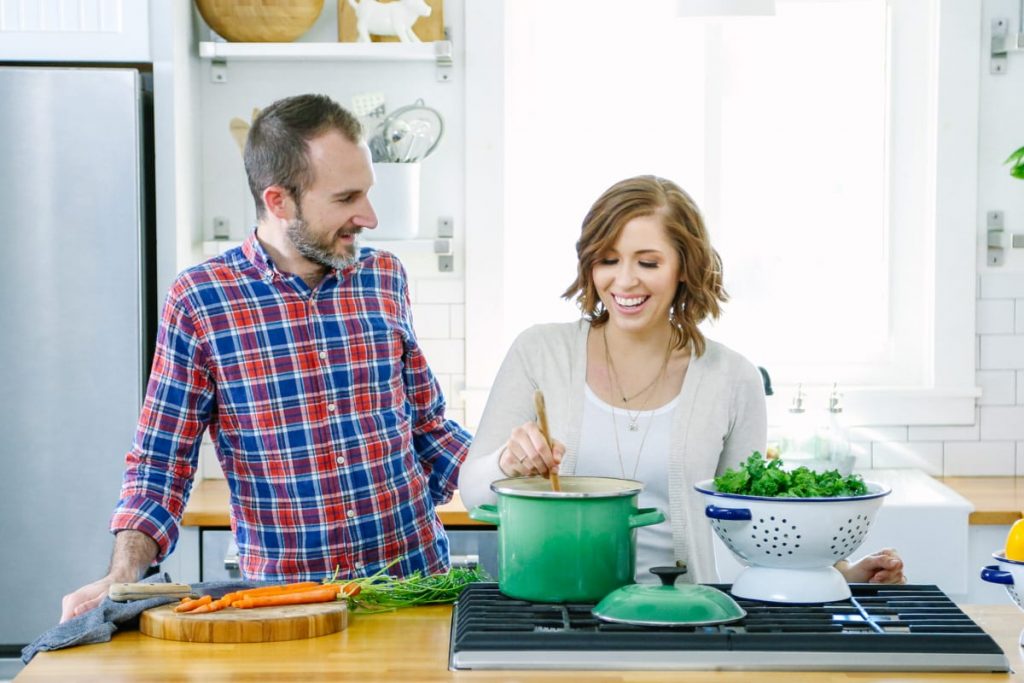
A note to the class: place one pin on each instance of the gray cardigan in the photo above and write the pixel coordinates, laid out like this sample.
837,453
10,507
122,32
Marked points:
719,421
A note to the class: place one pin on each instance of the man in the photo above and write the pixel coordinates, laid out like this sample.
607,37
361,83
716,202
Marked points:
297,351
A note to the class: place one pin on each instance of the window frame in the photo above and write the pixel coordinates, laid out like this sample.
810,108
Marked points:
946,397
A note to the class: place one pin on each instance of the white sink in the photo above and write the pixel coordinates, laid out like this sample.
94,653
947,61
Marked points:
923,519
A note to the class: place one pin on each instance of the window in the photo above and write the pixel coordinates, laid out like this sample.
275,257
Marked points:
811,142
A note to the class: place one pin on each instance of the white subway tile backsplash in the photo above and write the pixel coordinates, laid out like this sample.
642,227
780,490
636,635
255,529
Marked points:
998,387
445,355
1002,422
980,459
431,320
995,316
951,433
1020,387
1019,316
877,434
1001,351
861,451
440,291
458,318
1020,458
1002,286
209,466
924,455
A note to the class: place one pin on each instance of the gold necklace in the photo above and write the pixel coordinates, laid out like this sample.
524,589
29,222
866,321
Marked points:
633,425
639,451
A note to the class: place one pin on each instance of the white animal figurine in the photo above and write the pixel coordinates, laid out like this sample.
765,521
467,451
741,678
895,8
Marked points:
388,18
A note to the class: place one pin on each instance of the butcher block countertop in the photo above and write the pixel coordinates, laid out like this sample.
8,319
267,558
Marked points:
996,500
411,645
208,506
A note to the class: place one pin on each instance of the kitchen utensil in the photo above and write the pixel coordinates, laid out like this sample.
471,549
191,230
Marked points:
668,604
123,592
425,127
239,131
542,421
256,625
260,21
1009,574
573,545
790,544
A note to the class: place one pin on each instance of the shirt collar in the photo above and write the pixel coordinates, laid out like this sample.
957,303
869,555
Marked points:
264,265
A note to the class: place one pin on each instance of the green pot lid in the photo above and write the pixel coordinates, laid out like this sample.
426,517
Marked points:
684,605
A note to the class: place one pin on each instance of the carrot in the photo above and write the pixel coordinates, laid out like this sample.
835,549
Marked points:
272,590
326,594
192,604
205,609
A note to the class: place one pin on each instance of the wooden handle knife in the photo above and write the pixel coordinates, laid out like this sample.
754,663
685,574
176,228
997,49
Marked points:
123,592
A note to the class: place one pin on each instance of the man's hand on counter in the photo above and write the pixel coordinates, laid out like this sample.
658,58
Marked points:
133,552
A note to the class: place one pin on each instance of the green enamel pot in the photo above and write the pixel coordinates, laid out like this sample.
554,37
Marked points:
573,545
668,604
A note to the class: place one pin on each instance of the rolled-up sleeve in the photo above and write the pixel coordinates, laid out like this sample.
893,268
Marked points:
441,444
164,455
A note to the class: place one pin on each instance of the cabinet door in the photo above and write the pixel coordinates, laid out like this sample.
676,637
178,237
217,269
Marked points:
483,544
219,558
75,31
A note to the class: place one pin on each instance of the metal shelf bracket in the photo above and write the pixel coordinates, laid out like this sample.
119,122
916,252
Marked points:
1003,42
443,60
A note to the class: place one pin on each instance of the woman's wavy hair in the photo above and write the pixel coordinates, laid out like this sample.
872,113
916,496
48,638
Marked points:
700,292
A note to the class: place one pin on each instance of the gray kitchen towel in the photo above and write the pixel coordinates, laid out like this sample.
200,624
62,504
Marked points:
97,625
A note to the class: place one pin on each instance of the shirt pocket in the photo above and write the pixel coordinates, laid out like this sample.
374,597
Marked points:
370,369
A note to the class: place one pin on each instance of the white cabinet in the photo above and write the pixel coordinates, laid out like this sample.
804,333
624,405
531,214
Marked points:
75,31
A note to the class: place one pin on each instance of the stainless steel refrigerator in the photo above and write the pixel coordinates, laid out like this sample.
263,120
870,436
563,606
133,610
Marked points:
76,321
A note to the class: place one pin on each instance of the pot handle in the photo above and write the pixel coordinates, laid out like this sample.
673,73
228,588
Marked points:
485,513
993,574
728,514
646,517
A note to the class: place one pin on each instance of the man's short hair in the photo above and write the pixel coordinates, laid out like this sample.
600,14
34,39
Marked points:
276,150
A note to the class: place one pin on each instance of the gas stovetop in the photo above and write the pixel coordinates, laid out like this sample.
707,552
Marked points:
881,628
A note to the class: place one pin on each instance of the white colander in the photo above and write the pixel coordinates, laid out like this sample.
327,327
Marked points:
1010,575
790,544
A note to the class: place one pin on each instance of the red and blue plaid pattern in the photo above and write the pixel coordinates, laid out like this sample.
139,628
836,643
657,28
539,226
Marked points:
328,423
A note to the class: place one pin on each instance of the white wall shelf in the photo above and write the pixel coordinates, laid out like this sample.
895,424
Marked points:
439,52
440,246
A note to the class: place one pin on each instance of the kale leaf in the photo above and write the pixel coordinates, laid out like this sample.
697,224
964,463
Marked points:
758,477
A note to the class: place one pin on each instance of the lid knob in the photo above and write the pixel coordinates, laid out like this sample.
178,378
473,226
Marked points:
668,575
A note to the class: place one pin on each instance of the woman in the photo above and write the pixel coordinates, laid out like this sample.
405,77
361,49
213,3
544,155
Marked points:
634,390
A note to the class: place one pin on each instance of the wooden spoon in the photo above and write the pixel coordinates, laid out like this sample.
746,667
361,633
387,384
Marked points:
542,421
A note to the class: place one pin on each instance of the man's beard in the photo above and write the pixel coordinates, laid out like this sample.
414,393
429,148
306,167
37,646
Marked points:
320,251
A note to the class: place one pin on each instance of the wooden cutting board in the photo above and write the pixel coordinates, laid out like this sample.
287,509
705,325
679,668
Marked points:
257,625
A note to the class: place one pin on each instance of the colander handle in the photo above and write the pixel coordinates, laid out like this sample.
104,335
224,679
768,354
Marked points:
993,574
728,514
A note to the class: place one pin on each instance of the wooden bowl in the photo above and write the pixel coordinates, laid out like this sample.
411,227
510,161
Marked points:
260,21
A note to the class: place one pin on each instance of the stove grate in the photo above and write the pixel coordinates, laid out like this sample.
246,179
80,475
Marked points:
885,623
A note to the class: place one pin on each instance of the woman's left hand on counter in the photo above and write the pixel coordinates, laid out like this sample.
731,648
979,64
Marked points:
884,566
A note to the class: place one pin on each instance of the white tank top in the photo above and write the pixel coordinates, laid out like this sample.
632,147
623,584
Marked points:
599,457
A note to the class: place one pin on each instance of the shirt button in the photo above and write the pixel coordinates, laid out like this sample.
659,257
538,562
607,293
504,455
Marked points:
340,460
331,407
351,513
323,355
359,564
